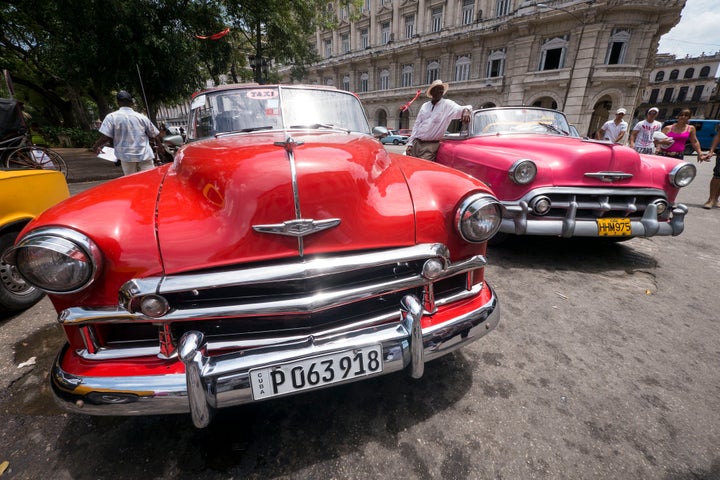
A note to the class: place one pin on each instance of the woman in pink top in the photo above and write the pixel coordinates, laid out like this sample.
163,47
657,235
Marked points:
681,133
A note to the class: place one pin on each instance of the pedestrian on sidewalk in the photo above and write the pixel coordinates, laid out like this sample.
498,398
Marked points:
641,137
614,130
130,132
713,199
681,133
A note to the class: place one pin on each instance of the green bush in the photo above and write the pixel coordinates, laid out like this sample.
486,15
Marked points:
70,137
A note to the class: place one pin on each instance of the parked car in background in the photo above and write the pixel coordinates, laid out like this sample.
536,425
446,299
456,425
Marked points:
705,131
24,194
552,183
406,132
283,250
394,138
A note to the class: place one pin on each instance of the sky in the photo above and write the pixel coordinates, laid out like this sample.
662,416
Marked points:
698,30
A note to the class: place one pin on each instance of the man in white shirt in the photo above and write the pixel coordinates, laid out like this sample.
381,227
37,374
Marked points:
432,121
614,130
130,132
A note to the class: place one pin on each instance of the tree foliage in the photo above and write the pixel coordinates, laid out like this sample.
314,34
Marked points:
66,58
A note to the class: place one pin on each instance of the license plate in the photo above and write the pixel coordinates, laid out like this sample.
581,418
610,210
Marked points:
614,227
315,372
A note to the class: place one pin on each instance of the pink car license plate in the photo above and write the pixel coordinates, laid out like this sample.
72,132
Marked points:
614,227
315,372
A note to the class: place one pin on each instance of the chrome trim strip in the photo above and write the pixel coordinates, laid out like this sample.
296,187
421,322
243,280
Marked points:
224,379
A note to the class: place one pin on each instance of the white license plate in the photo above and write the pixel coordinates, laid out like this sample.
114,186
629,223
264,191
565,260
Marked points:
315,372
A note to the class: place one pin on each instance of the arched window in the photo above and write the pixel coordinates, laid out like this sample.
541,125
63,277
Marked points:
660,76
433,71
496,63
407,76
382,118
384,79
462,68
704,72
346,83
552,53
689,73
674,74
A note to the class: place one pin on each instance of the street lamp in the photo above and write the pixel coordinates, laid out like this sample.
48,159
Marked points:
577,50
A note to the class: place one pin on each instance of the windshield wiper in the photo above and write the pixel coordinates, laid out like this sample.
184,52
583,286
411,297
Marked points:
316,126
552,127
255,129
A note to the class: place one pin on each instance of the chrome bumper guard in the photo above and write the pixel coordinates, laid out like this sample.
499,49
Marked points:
517,222
222,381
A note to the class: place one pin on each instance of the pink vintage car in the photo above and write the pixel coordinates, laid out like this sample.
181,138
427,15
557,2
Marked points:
283,250
553,183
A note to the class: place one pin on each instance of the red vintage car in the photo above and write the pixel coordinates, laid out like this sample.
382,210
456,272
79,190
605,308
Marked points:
283,250
553,183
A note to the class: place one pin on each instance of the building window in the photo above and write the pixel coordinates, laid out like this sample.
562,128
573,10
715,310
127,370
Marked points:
618,45
689,73
697,93
462,68
553,53
345,42
409,26
344,13
364,84
384,80
468,12
502,7
433,71
660,76
667,96
704,72
327,47
384,33
496,63
674,74
436,19
682,94
364,38
366,6
346,83
407,76
654,94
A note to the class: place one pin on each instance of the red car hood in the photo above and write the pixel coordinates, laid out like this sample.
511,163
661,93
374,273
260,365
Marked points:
219,189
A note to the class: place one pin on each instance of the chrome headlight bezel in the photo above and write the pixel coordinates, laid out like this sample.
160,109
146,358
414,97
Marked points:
523,171
473,215
48,247
682,174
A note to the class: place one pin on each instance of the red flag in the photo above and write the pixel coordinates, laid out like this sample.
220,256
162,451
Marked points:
407,105
214,36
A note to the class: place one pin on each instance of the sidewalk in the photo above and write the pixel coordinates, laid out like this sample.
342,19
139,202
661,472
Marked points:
84,166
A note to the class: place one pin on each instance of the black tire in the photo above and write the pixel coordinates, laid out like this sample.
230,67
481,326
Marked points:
38,158
396,142
15,293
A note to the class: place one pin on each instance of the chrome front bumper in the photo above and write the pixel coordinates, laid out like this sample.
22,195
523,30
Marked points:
518,220
212,382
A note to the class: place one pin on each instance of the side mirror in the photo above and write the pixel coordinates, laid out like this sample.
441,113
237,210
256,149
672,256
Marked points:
379,132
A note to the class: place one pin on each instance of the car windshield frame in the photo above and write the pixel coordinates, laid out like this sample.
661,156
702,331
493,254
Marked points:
246,109
519,120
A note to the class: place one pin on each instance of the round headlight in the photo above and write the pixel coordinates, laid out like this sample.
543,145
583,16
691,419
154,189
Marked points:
523,171
479,218
683,174
57,260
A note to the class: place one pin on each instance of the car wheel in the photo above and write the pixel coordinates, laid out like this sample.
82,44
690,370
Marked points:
15,293
396,142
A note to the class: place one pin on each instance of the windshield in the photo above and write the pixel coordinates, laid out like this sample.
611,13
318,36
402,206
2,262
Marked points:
519,120
255,108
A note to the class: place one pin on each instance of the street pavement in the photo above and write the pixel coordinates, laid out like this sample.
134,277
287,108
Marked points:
84,166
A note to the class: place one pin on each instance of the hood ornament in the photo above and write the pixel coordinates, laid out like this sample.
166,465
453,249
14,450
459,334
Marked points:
609,176
297,228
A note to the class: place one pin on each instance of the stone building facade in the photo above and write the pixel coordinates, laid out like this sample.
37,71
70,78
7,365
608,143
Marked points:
586,58
690,82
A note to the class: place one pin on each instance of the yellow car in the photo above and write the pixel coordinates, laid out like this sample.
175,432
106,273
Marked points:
24,194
